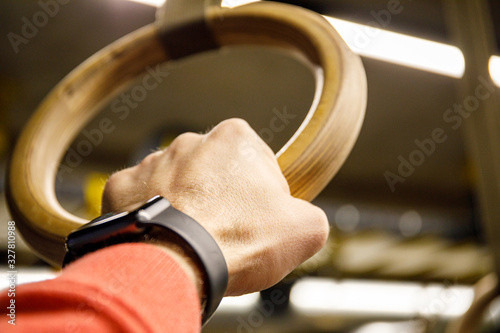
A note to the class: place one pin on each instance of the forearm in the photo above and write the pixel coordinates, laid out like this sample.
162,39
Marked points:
128,287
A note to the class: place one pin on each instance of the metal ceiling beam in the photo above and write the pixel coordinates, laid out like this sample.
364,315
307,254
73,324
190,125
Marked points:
477,111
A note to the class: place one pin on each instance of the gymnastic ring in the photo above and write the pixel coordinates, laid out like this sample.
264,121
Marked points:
486,291
308,160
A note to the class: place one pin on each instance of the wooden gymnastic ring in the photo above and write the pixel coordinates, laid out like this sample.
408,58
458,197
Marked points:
486,291
309,159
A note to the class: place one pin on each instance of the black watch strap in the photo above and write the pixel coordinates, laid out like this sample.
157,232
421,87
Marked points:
135,226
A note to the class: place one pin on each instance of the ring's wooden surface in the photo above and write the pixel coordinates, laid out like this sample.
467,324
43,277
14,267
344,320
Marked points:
309,160
485,293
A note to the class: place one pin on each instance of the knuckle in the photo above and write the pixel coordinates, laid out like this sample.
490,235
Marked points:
112,184
148,160
111,188
234,126
321,229
237,123
186,137
181,142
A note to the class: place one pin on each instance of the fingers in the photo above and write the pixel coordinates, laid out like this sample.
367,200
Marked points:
238,132
247,148
314,225
141,182
119,183
183,145
232,129
231,149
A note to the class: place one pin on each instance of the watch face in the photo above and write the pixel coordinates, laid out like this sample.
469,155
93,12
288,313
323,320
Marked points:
103,219
134,207
113,228
112,223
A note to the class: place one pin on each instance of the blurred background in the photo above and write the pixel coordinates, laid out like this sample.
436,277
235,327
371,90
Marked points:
412,211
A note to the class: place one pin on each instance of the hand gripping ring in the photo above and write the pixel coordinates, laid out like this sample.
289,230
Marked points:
308,160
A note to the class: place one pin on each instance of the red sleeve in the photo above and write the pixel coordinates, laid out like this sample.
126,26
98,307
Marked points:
123,288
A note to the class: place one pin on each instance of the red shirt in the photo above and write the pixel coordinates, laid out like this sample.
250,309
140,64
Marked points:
124,288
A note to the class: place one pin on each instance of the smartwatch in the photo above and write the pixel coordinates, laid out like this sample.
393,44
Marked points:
156,220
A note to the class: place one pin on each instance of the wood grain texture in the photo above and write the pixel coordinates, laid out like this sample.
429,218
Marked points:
309,160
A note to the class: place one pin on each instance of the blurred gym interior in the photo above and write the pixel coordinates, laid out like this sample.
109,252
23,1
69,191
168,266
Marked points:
412,211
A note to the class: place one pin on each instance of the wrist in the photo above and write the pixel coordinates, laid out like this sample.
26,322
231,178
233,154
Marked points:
158,222
190,265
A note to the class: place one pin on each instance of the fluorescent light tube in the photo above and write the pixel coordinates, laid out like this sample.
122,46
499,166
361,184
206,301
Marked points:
154,3
401,49
320,297
495,69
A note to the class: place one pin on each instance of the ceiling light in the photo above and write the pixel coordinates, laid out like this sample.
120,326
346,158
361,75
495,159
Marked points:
387,46
28,275
495,69
155,3
401,49
319,297
225,3
239,303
